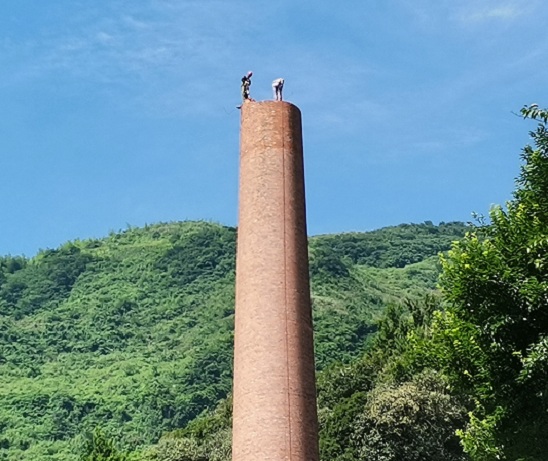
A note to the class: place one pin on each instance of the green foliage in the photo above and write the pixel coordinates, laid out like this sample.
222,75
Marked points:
190,449
383,406
45,281
346,309
133,333
101,448
395,246
120,342
207,438
177,449
414,421
491,340
337,427
9,265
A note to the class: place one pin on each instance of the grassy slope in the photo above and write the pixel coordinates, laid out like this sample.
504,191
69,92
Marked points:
134,332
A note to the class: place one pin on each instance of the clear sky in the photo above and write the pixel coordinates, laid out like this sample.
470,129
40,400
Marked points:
116,112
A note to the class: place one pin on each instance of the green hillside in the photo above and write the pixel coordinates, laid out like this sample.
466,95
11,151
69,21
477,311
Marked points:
133,332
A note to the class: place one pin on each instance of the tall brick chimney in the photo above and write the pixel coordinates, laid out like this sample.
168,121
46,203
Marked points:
274,381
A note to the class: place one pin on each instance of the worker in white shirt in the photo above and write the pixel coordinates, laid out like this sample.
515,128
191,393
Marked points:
277,86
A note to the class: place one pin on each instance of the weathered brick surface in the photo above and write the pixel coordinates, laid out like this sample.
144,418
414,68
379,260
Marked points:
274,384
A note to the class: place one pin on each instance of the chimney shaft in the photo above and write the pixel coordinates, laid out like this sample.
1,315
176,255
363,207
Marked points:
274,380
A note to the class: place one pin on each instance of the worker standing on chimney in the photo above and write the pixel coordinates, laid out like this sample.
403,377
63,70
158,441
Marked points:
246,83
277,86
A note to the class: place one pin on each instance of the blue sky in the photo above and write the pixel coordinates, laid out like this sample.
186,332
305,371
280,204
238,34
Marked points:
123,112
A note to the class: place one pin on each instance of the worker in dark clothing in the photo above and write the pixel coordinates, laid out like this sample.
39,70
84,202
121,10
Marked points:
246,83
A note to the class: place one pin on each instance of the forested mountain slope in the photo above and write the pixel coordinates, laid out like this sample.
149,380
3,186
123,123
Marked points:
133,332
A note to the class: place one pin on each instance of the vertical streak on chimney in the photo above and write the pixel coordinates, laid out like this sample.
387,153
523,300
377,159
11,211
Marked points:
274,381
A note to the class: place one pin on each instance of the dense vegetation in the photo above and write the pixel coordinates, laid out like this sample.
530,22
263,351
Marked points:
133,333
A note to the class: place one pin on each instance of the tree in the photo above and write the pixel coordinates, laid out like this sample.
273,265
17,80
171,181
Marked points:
99,447
189,448
493,338
415,421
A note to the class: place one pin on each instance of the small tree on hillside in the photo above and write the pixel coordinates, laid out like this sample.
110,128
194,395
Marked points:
99,447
